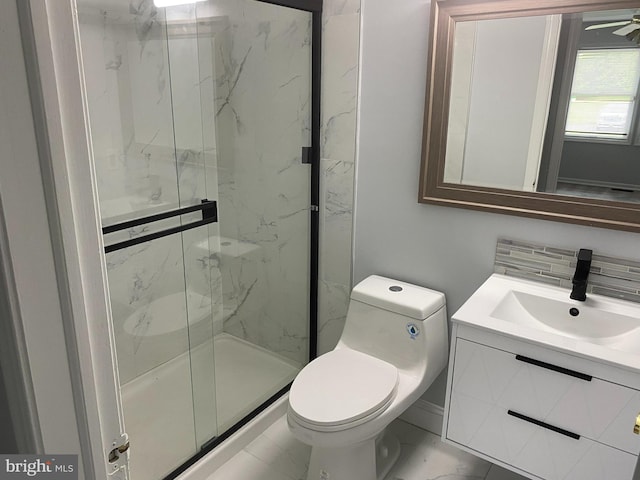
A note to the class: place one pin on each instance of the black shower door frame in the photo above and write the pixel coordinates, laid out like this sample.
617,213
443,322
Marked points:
315,8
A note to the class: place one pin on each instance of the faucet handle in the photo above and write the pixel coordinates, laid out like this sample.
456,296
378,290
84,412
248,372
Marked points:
584,255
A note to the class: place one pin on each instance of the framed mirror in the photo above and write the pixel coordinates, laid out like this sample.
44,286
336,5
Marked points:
532,108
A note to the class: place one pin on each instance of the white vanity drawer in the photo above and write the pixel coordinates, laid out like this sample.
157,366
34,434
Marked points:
491,431
487,380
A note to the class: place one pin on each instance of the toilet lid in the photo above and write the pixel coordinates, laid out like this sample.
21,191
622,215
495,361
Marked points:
341,387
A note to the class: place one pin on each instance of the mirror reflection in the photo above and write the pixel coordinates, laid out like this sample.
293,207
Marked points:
547,104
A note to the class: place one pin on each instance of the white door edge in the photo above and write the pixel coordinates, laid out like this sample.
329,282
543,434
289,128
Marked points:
543,101
55,28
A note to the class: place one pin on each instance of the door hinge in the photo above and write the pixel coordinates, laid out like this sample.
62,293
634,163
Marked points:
118,456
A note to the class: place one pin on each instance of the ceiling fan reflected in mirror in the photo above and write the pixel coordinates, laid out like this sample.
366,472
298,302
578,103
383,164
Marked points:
630,29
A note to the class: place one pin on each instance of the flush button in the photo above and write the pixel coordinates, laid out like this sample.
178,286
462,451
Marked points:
395,288
413,330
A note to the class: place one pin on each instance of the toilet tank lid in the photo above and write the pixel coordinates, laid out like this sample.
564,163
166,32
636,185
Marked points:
398,297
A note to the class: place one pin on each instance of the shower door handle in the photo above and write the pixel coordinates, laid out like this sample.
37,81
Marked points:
209,209
306,155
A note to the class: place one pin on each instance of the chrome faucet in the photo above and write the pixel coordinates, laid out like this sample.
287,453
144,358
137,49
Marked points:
579,280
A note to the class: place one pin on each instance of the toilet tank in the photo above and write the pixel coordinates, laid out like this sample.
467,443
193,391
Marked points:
400,323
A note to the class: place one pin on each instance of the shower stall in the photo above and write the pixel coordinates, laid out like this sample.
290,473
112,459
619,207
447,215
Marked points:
204,123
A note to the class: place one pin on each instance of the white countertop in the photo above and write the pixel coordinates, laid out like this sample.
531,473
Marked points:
620,346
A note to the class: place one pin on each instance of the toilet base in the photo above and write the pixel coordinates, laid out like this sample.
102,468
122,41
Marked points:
387,453
368,460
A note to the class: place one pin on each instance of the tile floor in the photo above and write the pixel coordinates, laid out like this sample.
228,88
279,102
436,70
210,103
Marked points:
276,455
604,193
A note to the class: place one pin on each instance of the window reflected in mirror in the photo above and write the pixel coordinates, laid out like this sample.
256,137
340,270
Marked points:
547,104
603,93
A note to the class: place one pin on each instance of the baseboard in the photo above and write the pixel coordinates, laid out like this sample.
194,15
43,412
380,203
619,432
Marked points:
425,415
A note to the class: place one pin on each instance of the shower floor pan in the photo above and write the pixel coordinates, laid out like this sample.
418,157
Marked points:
161,413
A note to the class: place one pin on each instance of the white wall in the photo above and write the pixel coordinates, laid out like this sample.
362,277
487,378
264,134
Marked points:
28,242
503,100
340,47
448,249
464,44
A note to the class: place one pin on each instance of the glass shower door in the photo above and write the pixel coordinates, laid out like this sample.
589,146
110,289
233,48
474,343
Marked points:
256,121
148,163
206,101
196,173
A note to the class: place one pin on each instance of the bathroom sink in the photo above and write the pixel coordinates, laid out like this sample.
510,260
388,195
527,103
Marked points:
600,327
563,317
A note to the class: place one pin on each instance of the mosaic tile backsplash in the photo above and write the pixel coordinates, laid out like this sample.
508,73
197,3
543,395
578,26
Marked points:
610,276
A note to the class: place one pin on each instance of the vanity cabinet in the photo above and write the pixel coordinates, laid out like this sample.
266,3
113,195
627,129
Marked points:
540,412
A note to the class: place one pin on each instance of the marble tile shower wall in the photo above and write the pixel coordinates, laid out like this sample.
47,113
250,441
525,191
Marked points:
263,297
341,36
143,163
262,67
610,276
193,98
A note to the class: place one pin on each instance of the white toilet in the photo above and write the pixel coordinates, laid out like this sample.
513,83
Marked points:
393,346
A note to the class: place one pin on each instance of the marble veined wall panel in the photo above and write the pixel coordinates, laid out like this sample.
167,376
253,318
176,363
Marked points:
139,277
147,115
262,67
341,30
240,107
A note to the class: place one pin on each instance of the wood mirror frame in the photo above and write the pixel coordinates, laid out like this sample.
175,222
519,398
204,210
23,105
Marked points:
433,189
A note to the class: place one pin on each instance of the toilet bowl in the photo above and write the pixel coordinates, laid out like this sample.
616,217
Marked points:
394,344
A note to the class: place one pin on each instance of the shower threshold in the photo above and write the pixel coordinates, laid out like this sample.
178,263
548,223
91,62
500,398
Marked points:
162,411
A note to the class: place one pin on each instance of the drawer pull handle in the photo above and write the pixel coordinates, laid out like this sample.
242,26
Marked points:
636,427
555,368
544,425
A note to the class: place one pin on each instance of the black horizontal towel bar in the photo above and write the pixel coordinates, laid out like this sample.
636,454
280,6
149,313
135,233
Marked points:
555,368
207,206
209,210
544,425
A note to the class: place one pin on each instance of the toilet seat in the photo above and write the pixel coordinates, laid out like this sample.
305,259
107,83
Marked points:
342,389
